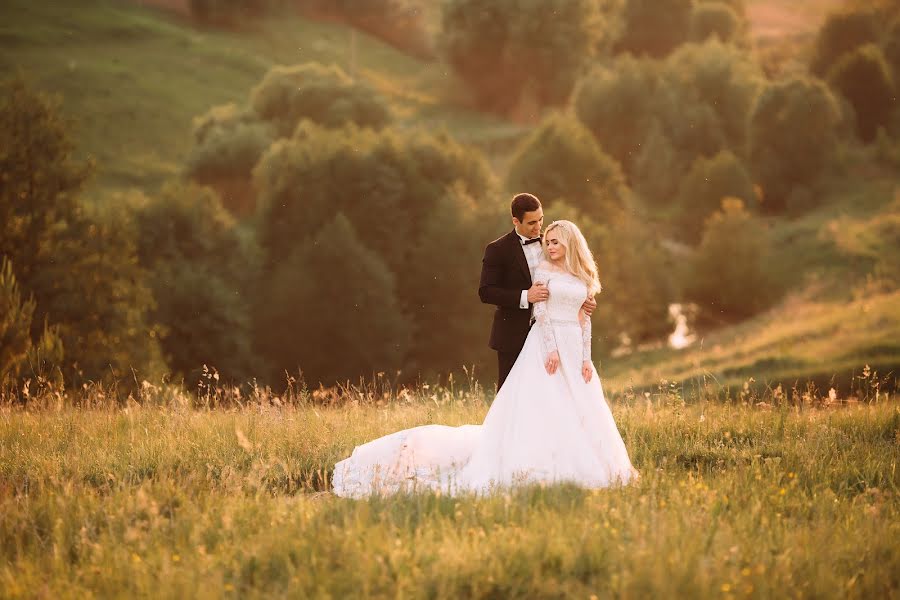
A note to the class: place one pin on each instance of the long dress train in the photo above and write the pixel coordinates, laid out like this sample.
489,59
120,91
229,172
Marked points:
540,427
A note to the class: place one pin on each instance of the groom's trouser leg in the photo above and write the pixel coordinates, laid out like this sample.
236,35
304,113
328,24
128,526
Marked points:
505,362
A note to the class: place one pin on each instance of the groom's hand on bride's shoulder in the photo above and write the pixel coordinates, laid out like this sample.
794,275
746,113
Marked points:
589,305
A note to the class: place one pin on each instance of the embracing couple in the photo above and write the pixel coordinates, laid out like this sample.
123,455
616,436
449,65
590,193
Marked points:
549,421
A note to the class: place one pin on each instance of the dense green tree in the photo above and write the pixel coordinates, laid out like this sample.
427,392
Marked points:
330,309
716,19
201,267
561,159
864,78
793,137
78,263
228,142
842,32
654,27
708,182
323,95
507,49
730,278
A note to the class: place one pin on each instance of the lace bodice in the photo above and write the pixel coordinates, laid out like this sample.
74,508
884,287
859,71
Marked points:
567,294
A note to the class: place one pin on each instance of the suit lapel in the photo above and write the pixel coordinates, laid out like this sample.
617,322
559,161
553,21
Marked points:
519,252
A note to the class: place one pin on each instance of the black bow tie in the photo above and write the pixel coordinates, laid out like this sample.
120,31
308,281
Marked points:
531,241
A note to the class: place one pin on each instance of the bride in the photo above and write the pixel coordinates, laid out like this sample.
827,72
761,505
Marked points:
549,422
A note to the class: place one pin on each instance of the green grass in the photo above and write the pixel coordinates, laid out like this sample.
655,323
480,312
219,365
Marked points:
166,501
135,77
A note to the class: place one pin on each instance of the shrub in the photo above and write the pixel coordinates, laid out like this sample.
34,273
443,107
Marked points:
792,137
863,77
508,50
201,267
330,309
323,95
708,182
842,32
716,19
227,145
654,27
729,277
561,159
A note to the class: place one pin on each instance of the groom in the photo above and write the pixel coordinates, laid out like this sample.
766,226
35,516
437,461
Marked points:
507,273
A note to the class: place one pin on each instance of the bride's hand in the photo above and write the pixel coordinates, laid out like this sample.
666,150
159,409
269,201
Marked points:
552,362
586,371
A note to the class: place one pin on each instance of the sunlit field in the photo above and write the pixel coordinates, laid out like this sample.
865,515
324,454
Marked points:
758,498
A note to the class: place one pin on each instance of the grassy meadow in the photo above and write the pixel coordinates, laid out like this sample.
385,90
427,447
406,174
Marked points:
164,499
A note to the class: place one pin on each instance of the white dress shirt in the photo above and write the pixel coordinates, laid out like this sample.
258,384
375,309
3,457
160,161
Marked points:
533,254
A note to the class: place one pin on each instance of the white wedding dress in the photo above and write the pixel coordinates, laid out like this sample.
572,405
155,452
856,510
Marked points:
540,427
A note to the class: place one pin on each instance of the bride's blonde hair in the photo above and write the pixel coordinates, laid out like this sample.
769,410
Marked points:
579,260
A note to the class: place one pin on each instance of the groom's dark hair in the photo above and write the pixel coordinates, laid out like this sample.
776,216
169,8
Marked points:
523,203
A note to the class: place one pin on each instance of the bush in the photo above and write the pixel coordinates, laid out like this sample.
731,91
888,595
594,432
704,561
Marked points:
227,145
654,27
729,277
323,95
841,33
507,50
330,309
708,182
561,159
201,267
864,79
716,19
617,104
792,137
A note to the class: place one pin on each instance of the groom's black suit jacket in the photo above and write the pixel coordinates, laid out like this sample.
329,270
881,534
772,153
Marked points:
504,274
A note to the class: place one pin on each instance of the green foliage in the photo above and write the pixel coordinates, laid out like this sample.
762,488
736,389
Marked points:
330,308
716,19
18,352
708,182
449,328
78,264
392,188
792,137
730,278
842,32
228,142
562,160
657,118
324,95
201,269
654,27
864,78
508,50
617,104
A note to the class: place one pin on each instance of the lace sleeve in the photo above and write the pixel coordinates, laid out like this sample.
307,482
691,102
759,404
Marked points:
542,317
585,335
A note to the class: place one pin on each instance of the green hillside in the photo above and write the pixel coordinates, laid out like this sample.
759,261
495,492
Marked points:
134,77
